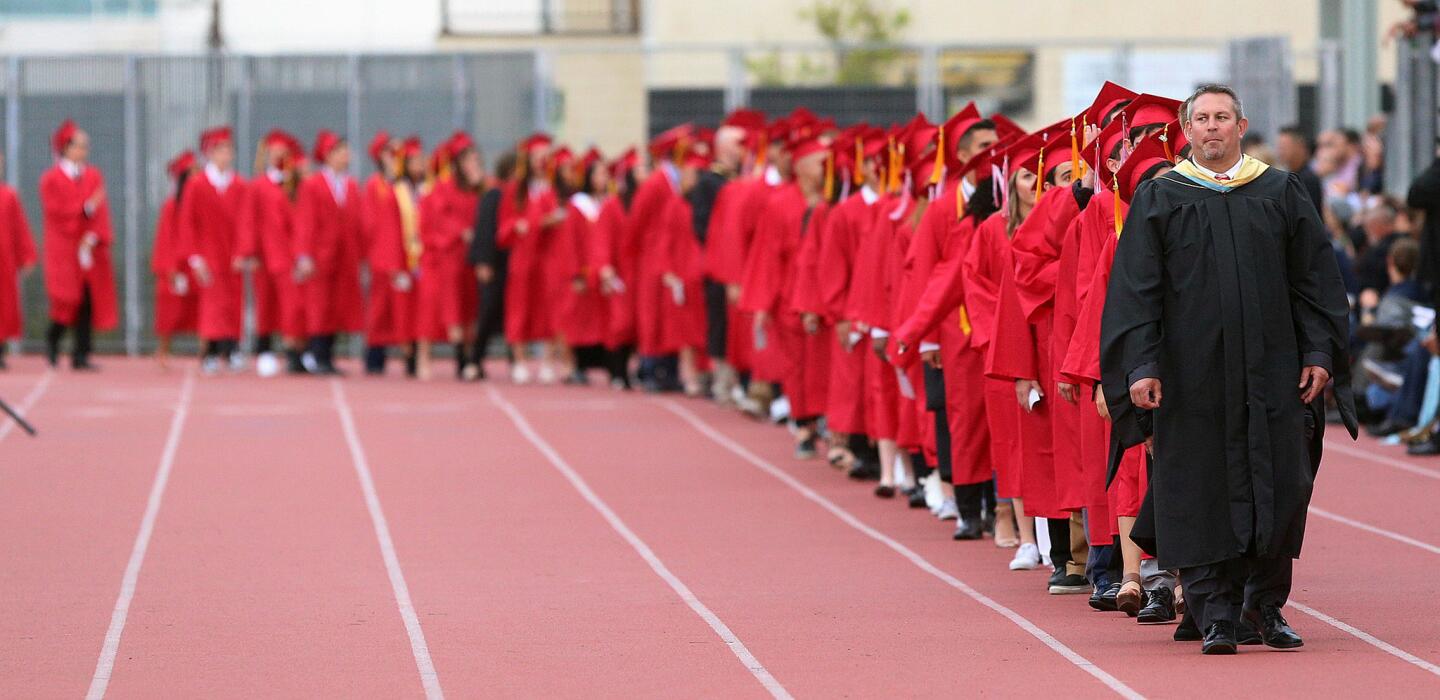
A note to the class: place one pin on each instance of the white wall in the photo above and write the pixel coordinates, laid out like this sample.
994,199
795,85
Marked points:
329,26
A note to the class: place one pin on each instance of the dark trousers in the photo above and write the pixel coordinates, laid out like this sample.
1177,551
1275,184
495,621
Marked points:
1406,407
80,351
1220,591
492,308
935,402
717,319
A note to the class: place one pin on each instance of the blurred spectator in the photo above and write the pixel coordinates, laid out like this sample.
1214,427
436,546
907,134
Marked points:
1255,147
1372,267
1344,250
1294,150
1337,161
1424,196
1387,329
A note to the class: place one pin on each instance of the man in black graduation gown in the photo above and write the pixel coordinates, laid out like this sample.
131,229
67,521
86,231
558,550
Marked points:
1226,292
491,264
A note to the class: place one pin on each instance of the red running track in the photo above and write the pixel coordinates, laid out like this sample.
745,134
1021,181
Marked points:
181,536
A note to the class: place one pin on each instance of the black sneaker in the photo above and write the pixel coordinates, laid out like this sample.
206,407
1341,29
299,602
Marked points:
1103,599
917,496
1069,584
1188,630
1159,607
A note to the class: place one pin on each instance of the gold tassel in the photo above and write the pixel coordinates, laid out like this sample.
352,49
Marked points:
937,172
964,321
1074,151
1119,220
1082,168
1165,141
760,155
829,175
1040,175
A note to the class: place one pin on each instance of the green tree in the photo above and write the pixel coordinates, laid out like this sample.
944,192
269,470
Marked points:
860,33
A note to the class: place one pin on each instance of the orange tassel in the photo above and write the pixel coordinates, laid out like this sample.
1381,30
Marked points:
1074,151
859,162
761,153
1119,220
939,170
1040,175
829,176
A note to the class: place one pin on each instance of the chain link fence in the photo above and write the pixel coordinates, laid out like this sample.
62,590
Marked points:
141,110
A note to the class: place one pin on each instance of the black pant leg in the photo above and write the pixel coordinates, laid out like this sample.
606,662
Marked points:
969,498
717,319
83,329
1059,530
491,320
1268,581
53,335
1215,592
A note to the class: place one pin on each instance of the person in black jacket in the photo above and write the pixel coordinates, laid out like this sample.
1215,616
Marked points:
490,263
1424,195
1294,149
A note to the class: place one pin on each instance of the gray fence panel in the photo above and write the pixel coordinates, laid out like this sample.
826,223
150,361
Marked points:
405,95
503,94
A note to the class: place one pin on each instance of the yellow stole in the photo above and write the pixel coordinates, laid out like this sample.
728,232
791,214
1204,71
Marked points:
409,224
1250,169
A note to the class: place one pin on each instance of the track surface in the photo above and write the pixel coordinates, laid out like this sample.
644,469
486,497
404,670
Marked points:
169,535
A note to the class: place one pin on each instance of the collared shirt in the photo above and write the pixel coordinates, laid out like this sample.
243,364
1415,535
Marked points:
1222,176
869,195
220,179
967,190
338,183
71,168
672,174
276,175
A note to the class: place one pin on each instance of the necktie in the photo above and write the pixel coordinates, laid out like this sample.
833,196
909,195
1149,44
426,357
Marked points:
1222,177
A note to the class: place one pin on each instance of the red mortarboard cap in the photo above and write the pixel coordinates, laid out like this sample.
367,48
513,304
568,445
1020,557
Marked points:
63,134
563,156
1006,128
181,163
807,147
1148,154
536,141
1023,154
325,142
458,143
696,156
1056,150
672,143
379,144
747,119
957,125
412,147
624,162
214,136
277,137
591,157
778,130
1100,149
1110,95
1151,109
981,162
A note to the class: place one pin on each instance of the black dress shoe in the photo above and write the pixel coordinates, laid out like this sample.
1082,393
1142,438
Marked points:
1159,607
970,529
1429,448
1271,629
83,366
917,496
1103,599
1187,631
1219,639
864,471
1386,428
884,491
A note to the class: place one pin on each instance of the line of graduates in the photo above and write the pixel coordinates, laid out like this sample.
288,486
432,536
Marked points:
924,301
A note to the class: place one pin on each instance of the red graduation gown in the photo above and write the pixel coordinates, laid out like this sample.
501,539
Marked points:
868,305
940,300
986,265
279,299
447,295
174,312
607,249
796,358
330,233
17,250
62,202
911,433
389,312
210,224
839,245
583,313
732,232
528,302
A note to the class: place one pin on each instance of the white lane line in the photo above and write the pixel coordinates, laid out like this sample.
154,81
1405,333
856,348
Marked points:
1059,647
1375,530
1381,459
23,408
1368,638
428,678
736,646
106,664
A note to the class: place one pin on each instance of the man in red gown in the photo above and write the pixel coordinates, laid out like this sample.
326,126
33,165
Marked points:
327,246
79,279
212,216
17,255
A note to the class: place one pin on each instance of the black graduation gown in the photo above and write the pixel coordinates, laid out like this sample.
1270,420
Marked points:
1224,296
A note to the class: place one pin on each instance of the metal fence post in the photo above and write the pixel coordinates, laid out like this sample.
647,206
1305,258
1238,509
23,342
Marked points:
737,92
460,90
12,123
352,114
132,207
543,70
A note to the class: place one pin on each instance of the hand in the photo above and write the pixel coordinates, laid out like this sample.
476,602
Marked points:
179,284
878,345
1313,381
1145,393
201,270
240,263
1023,387
1100,406
931,357
90,239
555,217
1069,392
761,319
467,235
842,333
1431,343
1369,298
401,281
484,273
1150,445
671,279
96,200
732,293
1089,134
811,322
304,268
577,285
522,227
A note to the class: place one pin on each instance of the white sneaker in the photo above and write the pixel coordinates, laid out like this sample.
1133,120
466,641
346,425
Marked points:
267,365
780,410
210,366
520,374
310,363
934,497
948,510
1026,558
237,362
547,374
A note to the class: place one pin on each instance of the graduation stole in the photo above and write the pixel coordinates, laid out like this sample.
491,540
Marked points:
1250,169
409,224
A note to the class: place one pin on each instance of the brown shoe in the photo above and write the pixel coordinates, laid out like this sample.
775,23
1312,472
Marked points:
1131,596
